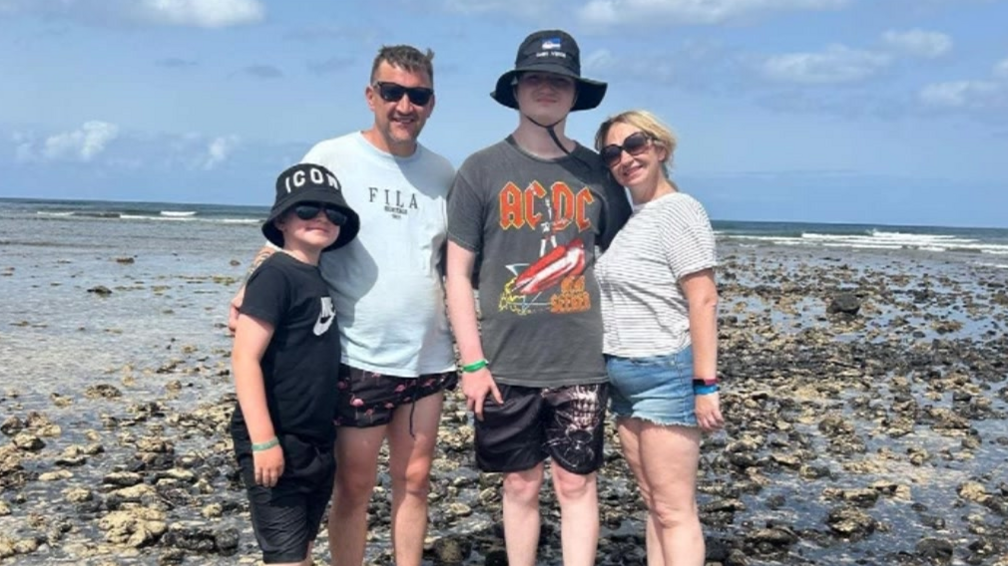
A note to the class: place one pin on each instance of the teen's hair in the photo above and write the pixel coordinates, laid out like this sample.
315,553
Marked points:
660,134
405,57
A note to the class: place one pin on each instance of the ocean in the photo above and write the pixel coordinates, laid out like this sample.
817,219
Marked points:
982,246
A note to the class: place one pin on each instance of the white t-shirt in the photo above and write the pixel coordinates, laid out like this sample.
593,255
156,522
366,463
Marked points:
386,283
644,311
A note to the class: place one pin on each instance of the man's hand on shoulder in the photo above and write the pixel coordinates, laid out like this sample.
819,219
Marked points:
234,309
236,302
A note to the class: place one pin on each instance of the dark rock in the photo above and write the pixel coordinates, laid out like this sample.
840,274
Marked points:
850,522
451,550
226,541
846,303
11,425
100,290
496,557
193,539
935,550
102,390
171,556
771,540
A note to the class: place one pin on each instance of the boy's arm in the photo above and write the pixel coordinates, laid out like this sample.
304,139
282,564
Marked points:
252,337
478,384
239,297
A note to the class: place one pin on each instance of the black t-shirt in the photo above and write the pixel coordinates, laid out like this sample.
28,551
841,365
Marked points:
301,363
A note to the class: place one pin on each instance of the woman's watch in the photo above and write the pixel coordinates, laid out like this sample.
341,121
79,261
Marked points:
702,381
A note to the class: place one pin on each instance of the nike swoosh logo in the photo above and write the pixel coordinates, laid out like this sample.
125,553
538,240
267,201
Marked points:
322,325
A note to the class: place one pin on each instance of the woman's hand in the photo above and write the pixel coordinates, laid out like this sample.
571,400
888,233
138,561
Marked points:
708,412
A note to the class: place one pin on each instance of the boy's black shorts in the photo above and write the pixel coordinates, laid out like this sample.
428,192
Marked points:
287,517
563,423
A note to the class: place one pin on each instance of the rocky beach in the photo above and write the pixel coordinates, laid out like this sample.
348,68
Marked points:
865,393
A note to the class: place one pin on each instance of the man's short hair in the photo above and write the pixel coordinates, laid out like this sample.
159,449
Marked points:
405,57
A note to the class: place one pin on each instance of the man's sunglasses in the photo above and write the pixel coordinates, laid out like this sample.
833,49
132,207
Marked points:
393,92
311,210
634,144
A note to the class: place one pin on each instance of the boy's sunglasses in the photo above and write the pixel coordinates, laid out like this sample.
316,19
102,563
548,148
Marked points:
393,92
311,210
634,144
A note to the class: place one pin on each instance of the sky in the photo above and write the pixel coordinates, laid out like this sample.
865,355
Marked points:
859,111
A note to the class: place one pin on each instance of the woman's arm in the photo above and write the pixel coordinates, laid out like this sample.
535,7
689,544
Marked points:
701,294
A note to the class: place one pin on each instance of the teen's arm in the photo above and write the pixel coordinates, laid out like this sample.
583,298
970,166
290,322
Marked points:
239,297
252,336
701,294
478,384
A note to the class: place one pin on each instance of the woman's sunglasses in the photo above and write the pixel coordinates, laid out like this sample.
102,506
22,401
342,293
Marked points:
311,210
634,144
393,92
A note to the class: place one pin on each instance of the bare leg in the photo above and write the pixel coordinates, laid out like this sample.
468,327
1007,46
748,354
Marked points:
579,516
356,469
629,433
521,515
410,459
669,458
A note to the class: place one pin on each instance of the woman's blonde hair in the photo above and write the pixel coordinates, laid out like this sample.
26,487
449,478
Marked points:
660,134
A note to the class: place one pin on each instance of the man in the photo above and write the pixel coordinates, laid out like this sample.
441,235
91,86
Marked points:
534,207
397,351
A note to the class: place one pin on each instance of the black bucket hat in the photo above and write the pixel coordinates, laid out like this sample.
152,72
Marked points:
308,182
550,51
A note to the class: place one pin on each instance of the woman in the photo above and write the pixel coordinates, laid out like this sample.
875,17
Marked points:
659,304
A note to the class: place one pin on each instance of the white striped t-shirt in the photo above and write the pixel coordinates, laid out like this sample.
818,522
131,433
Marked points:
643,307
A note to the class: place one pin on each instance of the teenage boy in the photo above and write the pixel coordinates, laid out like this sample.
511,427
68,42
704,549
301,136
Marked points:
397,356
284,368
535,207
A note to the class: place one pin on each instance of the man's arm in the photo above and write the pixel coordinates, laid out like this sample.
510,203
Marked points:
462,314
239,297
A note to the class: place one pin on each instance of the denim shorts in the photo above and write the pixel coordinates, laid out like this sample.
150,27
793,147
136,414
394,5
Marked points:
657,389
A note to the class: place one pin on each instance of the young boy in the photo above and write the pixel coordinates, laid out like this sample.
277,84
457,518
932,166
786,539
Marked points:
286,362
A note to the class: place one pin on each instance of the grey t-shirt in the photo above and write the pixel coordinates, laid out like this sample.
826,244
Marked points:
536,224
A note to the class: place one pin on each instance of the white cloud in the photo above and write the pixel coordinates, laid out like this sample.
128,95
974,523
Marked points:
83,144
196,13
1001,69
963,94
664,12
202,13
219,149
918,42
838,64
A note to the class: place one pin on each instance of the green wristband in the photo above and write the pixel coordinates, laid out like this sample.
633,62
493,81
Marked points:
475,366
266,445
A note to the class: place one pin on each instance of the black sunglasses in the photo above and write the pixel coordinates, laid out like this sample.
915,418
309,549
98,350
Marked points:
311,210
393,92
634,144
